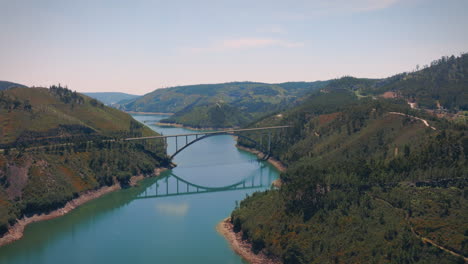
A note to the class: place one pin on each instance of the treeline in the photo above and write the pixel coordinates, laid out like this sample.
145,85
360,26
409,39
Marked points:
66,95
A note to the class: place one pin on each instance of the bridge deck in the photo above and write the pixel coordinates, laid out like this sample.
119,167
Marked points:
211,132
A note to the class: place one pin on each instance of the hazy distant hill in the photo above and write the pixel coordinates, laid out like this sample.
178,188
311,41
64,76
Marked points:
7,85
221,105
110,98
247,96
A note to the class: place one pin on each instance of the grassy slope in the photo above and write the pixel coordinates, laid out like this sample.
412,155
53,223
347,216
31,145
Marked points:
42,179
48,112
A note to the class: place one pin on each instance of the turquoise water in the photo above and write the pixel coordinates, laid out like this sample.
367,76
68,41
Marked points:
126,227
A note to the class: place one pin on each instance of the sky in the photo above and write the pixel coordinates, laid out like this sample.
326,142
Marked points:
141,45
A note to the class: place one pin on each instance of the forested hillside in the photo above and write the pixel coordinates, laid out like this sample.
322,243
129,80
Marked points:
367,182
219,115
251,100
438,86
56,144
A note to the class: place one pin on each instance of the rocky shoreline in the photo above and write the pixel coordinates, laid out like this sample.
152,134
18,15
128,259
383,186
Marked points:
276,163
16,231
242,247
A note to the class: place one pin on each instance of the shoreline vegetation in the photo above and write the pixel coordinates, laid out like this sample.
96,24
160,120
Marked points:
242,247
276,163
16,231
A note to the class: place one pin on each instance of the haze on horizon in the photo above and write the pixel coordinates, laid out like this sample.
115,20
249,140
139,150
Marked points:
139,46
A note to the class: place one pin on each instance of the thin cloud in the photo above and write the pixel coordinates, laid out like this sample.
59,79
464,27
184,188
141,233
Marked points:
314,9
243,43
275,29
246,43
372,5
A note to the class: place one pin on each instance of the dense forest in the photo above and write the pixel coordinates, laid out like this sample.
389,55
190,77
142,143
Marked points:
368,181
56,144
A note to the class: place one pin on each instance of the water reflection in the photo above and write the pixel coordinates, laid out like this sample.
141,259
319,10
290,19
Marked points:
173,185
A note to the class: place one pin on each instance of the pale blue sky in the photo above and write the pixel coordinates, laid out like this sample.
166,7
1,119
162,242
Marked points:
138,46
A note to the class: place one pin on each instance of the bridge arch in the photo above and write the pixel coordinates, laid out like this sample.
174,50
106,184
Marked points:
180,186
256,144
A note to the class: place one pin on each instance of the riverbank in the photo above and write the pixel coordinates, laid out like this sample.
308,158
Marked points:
242,247
16,231
276,163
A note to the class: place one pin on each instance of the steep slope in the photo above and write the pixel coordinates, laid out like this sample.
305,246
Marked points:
57,144
110,98
367,181
440,86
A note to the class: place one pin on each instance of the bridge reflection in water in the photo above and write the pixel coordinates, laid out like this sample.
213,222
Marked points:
173,185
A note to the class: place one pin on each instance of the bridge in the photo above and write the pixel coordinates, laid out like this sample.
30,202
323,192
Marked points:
173,185
182,141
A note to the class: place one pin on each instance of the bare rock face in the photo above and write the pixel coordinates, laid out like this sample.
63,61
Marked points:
17,176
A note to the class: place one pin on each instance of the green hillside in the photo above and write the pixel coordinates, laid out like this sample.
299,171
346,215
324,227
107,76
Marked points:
56,144
251,99
219,115
110,98
32,113
366,182
440,86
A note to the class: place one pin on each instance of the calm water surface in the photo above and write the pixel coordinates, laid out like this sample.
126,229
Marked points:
126,227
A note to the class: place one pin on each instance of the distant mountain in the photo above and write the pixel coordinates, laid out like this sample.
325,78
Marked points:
4,85
110,98
248,100
247,96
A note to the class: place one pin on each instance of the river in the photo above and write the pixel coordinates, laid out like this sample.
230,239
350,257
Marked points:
143,224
